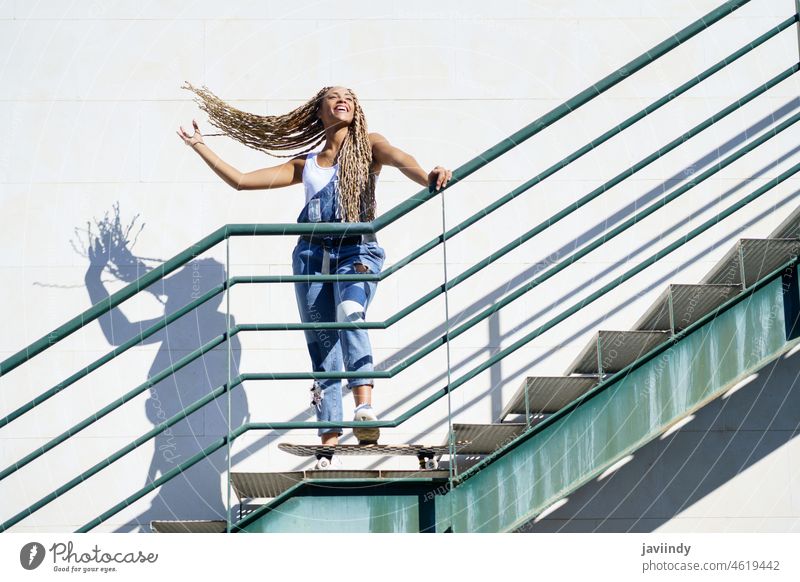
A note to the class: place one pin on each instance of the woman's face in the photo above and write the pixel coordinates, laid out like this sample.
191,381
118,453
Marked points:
336,107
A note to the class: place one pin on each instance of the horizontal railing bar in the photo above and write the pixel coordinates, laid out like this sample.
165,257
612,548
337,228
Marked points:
497,306
110,356
232,230
619,178
613,378
459,228
384,220
593,144
111,301
88,421
568,106
628,274
489,311
539,426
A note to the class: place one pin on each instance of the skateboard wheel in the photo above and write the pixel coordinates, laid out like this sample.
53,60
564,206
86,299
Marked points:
431,464
323,463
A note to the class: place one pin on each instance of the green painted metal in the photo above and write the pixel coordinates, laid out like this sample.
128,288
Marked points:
323,497
433,345
385,219
352,228
571,104
797,11
622,414
110,356
464,378
88,421
350,514
452,232
503,353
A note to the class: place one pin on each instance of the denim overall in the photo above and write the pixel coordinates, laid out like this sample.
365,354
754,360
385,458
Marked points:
347,301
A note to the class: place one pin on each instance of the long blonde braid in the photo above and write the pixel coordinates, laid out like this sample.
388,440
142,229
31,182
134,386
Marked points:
297,129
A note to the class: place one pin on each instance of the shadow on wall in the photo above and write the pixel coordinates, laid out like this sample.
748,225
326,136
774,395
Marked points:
198,493
734,442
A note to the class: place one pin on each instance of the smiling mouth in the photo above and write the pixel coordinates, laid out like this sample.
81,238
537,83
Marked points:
341,108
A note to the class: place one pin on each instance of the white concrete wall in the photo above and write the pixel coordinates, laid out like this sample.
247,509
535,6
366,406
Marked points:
92,100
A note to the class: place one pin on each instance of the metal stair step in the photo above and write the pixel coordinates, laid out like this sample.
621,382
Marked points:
268,485
750,259
689,303
610,351
548,394
189,526
484,439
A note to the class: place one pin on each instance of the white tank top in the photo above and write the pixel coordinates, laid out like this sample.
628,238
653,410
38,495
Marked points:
315,177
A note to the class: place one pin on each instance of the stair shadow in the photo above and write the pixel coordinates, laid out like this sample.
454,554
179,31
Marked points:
501,290
498,379
592,325
196,495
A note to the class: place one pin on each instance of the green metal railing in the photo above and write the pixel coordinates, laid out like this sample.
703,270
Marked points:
431,346
436,396
355,228
451,232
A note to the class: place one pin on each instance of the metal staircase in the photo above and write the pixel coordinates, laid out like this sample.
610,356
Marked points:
751,264
622,390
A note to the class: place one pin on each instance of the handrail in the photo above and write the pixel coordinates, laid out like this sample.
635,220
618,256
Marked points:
385,219
389,217
464,378
453,231
434,344
469,375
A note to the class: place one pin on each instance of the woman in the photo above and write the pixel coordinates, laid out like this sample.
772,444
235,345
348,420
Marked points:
339,185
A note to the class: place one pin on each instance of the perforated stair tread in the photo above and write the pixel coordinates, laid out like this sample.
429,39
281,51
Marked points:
267,485
189,526
617,349
689,303
754,258
548,394
484,439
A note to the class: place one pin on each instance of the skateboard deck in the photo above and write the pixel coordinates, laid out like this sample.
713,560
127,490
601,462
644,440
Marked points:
425,453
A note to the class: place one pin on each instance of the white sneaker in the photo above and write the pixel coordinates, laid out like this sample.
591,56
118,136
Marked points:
366,436
324,463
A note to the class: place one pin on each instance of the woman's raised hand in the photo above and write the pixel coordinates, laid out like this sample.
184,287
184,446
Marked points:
191,140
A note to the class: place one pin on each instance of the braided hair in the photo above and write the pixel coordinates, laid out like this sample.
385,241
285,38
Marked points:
297,129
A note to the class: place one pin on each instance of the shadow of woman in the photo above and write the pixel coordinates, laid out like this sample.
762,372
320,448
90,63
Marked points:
200,492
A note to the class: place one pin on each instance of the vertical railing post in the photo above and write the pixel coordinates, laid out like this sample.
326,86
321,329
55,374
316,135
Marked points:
527,406
451,443
797,11
228,326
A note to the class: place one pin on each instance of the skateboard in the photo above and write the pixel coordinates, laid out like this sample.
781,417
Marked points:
426,454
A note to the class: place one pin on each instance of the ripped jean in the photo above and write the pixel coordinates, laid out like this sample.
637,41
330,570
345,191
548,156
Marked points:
345,301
